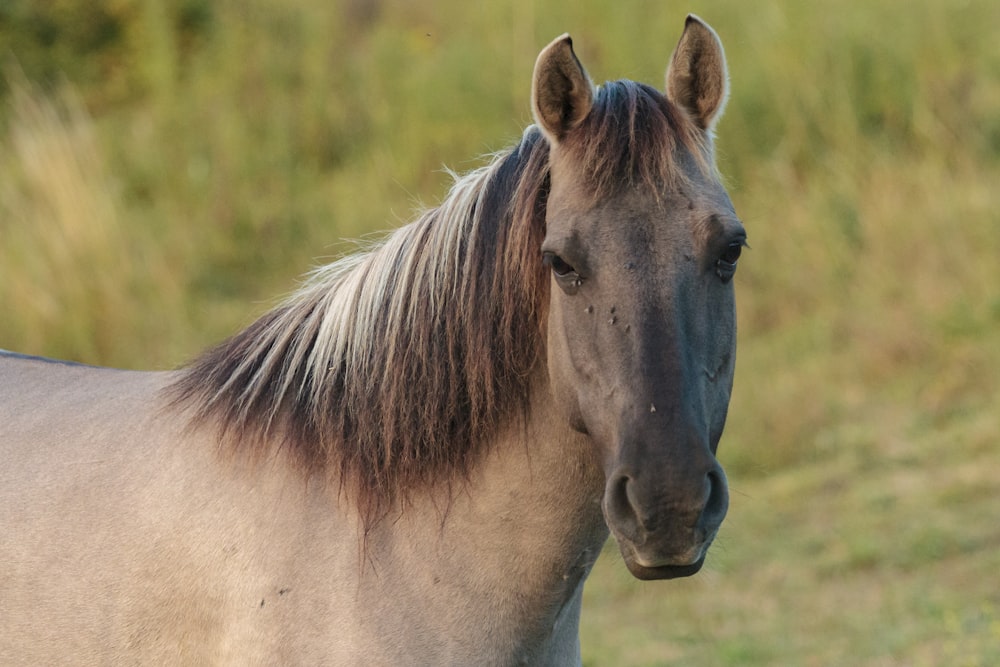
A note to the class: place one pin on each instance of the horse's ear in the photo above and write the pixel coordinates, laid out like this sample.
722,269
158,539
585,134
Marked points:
697,79
561,91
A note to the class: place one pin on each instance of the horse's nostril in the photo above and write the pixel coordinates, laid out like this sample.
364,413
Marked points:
717,502
638,512
620,507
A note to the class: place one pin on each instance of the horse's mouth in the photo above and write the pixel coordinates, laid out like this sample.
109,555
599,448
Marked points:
663,571
646,568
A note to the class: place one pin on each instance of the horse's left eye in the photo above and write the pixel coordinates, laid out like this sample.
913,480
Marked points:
732,253
725,266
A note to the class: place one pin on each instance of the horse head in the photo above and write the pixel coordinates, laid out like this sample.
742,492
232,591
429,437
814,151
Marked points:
642,243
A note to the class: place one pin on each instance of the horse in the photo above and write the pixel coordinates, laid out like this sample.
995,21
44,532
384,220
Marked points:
417,457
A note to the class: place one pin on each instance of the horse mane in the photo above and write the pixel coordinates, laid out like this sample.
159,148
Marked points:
393,367
634,137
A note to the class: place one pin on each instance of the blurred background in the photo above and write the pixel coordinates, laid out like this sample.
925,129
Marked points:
170,168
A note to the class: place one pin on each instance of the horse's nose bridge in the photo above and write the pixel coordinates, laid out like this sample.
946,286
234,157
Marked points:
673,448
664,423
665,344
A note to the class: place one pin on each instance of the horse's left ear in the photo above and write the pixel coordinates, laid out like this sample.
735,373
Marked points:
697,79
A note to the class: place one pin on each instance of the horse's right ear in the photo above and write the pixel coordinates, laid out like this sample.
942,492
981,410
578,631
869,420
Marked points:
561,91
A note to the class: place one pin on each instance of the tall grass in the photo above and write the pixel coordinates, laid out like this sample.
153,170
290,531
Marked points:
72,279
169,168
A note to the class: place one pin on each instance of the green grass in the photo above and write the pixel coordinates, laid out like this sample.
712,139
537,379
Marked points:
168,169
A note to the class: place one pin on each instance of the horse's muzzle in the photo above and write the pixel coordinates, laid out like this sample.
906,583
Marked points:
664,527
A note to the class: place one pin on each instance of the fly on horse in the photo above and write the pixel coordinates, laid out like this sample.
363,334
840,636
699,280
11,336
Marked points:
416,458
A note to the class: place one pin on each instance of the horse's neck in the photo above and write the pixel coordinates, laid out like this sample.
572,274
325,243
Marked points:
502,556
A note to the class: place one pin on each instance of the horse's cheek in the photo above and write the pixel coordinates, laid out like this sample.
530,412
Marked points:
568,366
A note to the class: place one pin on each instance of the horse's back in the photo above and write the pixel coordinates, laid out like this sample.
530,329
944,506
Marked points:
64,424
128,538
104,555
68,437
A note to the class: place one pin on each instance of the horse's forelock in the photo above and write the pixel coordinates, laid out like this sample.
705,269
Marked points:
635,137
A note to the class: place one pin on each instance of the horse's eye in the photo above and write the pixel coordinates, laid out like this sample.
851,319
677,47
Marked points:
558,265
732,253
725,266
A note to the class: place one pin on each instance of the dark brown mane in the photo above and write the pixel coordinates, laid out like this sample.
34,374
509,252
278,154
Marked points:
391,369
634,136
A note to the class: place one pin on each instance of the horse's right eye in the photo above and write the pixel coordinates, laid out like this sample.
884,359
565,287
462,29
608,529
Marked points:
558,265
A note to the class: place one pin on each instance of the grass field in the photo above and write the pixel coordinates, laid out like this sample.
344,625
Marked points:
168,169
